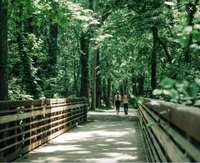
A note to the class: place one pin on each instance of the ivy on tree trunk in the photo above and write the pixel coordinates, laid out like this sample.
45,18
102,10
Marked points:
154,57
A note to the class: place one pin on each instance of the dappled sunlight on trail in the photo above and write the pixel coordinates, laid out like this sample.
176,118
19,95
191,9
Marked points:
97,141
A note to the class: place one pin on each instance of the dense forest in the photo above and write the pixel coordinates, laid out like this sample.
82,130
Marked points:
92,48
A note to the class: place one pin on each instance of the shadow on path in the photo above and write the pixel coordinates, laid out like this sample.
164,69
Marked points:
97,141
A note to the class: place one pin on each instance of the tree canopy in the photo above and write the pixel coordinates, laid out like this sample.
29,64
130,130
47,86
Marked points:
60,48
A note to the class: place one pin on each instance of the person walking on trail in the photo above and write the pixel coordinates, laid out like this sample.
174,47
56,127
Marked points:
125,103
117,102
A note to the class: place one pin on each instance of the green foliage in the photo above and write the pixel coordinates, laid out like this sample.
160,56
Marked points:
135,102
150,124
16,92
181,92
121,30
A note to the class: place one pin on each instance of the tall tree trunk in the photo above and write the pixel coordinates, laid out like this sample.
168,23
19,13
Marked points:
93,6
3,49
78,78
109,93
4,62
75,75
134,86
94,85
141,85
84,53
125,86
98,81
52,48
154,58
104,91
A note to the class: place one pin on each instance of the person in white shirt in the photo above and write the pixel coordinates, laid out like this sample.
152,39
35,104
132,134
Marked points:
118,99
125,103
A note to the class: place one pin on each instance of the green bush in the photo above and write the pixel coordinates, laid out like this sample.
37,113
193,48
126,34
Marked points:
178,91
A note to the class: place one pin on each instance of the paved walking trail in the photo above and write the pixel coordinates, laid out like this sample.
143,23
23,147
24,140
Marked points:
108,138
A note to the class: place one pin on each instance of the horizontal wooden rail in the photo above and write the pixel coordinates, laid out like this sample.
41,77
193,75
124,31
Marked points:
171,131
25,125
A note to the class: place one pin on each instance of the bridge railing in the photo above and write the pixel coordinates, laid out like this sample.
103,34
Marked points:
25,125
171,131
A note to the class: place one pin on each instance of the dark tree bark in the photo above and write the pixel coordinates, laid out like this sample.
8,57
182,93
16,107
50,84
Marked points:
168,56
141,85
125,86
98,81
4,61
134,86
52,48
154,58
84,53
104,90
93,6
94,85
76,76
3,49
109,93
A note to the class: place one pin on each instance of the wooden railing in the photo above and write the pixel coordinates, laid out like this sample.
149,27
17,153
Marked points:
171,131
25,125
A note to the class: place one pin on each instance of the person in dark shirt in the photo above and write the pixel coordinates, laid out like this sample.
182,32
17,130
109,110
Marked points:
117,102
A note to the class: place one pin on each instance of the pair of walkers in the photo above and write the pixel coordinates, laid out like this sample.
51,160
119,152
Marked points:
121,99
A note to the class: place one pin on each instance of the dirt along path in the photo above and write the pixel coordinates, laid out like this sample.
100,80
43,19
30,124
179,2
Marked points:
103,140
